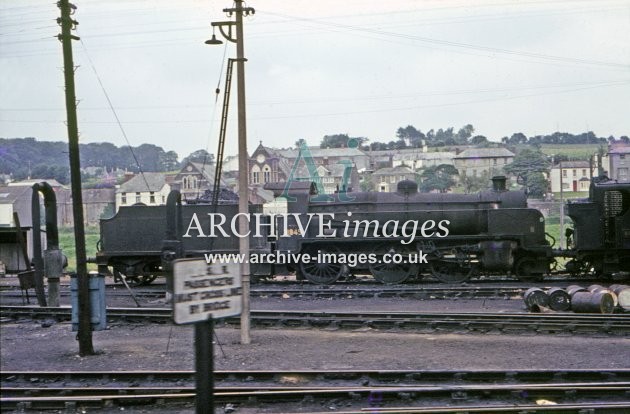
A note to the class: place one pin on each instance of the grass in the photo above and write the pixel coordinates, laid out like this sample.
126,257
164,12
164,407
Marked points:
572,151
67,245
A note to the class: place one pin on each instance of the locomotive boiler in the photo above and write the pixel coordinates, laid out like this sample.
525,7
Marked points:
467,234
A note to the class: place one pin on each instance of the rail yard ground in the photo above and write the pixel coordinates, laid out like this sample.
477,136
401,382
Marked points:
48,345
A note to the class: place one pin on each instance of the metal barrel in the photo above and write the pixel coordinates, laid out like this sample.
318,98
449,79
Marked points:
598,288
573,289
592,302
535,299
623,295
559,299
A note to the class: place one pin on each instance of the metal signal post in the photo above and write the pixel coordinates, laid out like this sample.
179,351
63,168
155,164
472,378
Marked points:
243,178
66,37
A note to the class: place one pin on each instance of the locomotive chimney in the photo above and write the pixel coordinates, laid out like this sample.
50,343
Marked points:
498,183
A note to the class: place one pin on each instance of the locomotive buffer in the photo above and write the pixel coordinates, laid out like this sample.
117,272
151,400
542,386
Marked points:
203,292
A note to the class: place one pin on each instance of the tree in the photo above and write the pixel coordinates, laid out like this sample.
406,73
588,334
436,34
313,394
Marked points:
168,161
341,141
537,185
473,184
440,178
528,166
479,140
464,133
201,156
412,136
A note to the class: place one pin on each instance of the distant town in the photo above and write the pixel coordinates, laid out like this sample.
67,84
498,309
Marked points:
442,161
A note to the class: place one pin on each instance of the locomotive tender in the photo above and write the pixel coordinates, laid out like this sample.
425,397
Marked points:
488,232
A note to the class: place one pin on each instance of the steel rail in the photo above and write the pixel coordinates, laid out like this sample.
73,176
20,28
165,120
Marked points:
509,392
503,322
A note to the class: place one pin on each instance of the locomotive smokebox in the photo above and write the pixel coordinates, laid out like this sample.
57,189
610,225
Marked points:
498,183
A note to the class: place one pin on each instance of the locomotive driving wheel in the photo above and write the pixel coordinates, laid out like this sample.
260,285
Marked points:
392,273
320,269
526,270
451,271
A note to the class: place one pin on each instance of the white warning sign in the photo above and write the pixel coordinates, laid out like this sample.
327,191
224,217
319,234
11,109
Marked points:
202,291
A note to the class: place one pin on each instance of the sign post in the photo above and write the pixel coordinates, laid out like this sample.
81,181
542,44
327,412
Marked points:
203,292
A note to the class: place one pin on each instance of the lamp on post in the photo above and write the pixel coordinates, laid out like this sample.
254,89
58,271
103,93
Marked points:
225,27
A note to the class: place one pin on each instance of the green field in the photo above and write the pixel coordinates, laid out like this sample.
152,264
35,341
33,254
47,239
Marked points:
573,152
67,245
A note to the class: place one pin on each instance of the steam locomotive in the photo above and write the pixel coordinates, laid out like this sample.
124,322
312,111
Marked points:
392,236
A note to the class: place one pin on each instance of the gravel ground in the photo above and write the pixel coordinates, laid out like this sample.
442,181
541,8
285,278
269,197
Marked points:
29,346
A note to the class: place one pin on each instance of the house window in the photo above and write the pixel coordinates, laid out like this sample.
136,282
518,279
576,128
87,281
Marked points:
494,161
584,172
138,198
152,197
255,174
266,174
575,173
189,182
382,180
564,173
123,198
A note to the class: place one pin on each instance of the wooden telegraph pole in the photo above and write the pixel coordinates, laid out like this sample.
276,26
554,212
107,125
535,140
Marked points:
243,171
67,25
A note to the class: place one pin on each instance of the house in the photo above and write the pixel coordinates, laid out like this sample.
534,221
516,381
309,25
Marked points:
619,161
386,179
573,175
327,156
194,178
149,188
266,165
327,167
417,160
478,162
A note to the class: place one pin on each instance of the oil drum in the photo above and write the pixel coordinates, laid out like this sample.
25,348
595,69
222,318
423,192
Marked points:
559,299
623,295
598,288
592,302
573,289
535,299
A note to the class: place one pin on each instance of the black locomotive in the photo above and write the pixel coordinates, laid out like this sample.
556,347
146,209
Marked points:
392,236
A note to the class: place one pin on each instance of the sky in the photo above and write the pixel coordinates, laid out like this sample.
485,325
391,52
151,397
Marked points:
314,68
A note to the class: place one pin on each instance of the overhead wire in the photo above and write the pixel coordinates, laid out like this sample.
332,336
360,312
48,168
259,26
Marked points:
111,106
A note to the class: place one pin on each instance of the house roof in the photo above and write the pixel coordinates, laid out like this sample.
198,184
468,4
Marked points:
572,164
401,169
412,156
484,153
148,181
619,148
29,183
317,152
9,195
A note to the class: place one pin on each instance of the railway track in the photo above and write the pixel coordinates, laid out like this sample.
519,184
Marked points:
383,390
484,322
477,291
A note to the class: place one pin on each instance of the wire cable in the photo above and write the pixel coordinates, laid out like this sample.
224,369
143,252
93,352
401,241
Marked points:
111,106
